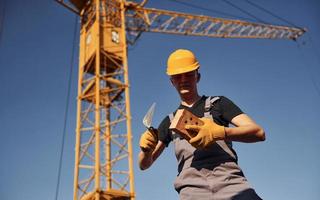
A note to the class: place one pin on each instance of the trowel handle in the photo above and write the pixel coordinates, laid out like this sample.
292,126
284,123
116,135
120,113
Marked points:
154,132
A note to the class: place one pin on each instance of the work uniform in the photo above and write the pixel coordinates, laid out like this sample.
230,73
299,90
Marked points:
212,173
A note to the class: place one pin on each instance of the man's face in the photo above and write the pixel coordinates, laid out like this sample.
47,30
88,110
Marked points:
185,83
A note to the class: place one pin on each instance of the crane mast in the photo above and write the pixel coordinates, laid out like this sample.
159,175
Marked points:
103,151
103,161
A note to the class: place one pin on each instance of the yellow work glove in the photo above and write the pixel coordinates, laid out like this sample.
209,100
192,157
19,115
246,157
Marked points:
149,140
208,133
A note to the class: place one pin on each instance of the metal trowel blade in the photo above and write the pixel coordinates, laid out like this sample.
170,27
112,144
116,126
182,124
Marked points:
147,120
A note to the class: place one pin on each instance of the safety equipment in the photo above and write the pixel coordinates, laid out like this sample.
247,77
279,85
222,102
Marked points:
181,61
148,140
208,133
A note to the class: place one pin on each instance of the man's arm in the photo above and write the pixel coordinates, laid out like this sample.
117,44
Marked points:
245,130
147,158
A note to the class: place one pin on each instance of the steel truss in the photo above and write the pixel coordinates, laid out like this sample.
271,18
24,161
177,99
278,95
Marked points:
103,168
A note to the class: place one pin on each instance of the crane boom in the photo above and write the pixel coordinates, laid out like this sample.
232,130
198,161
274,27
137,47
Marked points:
139,19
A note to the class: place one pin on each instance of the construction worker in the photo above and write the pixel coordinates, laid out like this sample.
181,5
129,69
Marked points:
207,163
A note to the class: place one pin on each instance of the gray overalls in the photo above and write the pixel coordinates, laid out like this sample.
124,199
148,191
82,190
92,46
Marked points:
211,174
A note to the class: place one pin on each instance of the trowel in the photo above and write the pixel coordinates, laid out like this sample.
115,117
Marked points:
147,120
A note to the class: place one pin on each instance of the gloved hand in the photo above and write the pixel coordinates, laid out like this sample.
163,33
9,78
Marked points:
149,140
208,133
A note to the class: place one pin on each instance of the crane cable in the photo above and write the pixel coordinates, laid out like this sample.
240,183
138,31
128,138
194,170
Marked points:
244,11
2,20
270,13
316,87
315,50
316,54
67,107
207,9
299,46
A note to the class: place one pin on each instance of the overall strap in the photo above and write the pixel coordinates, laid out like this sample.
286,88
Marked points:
171,117
208,105
173,134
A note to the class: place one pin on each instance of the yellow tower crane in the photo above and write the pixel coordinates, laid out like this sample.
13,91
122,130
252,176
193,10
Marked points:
103,151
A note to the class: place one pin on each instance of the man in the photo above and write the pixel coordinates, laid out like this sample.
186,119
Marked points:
207,163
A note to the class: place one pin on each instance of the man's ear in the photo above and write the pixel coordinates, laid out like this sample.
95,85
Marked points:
198,77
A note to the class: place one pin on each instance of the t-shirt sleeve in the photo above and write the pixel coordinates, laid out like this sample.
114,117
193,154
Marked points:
164,132
229,109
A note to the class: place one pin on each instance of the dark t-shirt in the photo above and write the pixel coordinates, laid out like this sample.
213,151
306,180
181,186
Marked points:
223,111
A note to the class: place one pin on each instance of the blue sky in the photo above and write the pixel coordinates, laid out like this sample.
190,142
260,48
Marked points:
274,81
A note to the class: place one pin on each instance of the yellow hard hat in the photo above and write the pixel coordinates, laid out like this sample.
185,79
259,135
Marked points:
181,61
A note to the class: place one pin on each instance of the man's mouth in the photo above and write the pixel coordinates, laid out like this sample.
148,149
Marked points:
184,91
